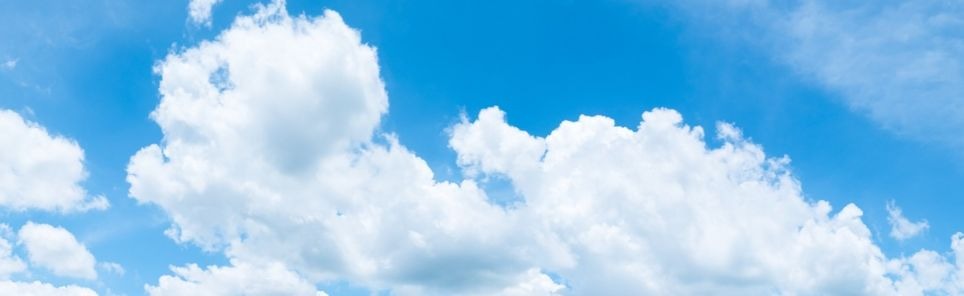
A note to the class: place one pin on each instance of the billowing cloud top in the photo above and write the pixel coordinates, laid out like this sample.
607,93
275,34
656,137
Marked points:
270,156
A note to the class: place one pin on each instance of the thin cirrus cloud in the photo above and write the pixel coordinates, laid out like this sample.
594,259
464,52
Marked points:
899,62
271,156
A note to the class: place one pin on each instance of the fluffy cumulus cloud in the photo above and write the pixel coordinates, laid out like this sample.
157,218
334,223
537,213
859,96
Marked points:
901,62
902,228
239,279
272,155
269,155
9,262
36,288
57,250
39,171
654,210
200,11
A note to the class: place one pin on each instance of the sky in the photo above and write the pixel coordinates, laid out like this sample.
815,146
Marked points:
614,147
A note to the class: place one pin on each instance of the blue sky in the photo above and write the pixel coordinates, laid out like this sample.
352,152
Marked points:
86,70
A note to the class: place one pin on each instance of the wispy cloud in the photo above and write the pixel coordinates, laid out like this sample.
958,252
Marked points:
900,227
899,62
112,268
200,11
10,64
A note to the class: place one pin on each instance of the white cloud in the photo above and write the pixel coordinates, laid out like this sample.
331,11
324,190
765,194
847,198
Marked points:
653,210
238,279
40,171
268,156
534,283
56,249
298,99
42,289
900,62
200,11
929,273
900,227
9,262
